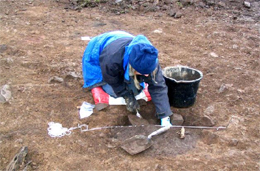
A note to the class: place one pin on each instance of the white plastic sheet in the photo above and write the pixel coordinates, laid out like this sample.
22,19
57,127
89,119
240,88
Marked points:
86,110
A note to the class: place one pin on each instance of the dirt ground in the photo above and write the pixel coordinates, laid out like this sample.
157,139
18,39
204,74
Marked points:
42,39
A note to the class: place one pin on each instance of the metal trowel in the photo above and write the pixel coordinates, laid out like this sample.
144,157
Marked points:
139,143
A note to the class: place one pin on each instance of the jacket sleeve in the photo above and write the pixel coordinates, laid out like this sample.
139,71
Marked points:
111,63
159,93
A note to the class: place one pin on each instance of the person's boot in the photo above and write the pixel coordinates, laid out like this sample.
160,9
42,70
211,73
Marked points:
166,121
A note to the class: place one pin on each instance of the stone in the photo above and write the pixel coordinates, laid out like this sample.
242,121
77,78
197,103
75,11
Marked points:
159,31
111,146
172,13
205,121
210,2
168,2
185,2
159,14
199,121
177,119
233,142
235,46
101,135
202,5
213,54
222,88
9,61
3,48
17,163
209,110
178,15
55,79
5,94
221,4
72,76
247,4
165,7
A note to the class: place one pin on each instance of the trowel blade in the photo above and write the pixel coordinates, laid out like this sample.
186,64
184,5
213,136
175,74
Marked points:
136,144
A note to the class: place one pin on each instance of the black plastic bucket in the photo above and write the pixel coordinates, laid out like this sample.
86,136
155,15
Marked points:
183,83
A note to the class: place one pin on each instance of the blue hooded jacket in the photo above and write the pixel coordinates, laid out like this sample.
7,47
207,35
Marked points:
106,59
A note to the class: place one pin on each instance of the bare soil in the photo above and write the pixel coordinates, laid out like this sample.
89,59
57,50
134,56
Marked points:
42,39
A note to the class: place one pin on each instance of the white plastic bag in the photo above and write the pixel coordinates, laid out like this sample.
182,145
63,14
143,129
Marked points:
86,110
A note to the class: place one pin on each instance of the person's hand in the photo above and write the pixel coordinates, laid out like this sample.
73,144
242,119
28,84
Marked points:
131,103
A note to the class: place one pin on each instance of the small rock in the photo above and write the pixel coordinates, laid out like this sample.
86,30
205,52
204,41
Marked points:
233,142
210,2
20,141
72,75
207,121
201,121
111,146
241,91
114,140
165,7
221,4
45,46
213,54
202,5
177,119
247,4
159,14
9,60
99,24
185,2
158,31
159,167
178,15
168,2
34,167
209,110
172,12
55,79
35,32
102,135
235,46
5,94
3,48
18,160
222,88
